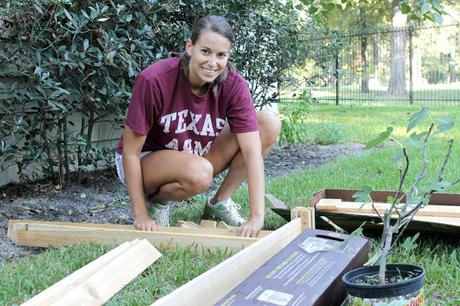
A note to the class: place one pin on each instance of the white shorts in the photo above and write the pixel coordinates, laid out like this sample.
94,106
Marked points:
119,165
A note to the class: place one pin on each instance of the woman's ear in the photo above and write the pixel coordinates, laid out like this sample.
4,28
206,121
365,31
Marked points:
188,46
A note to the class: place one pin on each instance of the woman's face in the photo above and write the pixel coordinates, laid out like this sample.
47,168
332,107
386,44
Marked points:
208,58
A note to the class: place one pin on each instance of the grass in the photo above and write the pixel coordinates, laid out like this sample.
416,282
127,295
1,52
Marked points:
359,124
29,276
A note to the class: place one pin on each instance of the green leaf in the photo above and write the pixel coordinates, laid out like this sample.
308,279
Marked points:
313,10
330,6
409,243
85,14
59,92
356,233
69,16
363,195
415,140
438,185
380,138
446,124
390,199
438,17
417,118
405,8
85,44
38,8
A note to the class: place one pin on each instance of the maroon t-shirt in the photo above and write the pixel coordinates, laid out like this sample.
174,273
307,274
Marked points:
164,108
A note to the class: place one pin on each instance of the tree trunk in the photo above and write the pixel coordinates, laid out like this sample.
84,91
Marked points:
60,153
375,52
66,150
397,85
452,74
364,63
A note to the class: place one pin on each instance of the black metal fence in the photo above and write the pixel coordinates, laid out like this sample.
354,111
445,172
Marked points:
410,65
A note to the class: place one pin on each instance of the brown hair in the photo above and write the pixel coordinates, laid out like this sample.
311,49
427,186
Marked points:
219,25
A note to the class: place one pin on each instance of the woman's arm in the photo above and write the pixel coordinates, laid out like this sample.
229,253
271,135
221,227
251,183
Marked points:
132,146
250,146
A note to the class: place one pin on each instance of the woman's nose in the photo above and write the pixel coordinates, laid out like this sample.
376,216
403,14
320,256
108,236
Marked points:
212,60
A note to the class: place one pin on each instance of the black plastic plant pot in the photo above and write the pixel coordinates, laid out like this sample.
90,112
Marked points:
404,286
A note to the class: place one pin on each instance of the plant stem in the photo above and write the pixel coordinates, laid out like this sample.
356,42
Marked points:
387,236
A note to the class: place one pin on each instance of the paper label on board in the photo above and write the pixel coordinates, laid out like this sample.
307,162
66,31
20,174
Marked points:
275,297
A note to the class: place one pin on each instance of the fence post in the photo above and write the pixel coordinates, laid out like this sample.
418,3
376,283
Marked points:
337,77
411,58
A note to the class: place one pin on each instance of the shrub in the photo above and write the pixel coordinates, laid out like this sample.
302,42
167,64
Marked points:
294,128
327,134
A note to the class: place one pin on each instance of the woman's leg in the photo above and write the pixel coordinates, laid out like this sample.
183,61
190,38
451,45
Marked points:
225,153
171,175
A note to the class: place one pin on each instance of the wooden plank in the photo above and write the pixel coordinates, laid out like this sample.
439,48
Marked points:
191,224
44,234
54,292
99,280
295,212
208,224
275,202
438,220
195,230
223,225
186,224
307,217
111,278
211,286
338,205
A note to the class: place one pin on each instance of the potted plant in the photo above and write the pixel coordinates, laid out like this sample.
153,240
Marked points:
400,284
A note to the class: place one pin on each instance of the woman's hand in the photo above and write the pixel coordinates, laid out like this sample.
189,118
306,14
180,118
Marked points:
145,223
251,228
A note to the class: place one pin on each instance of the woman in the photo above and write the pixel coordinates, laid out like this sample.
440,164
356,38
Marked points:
190,118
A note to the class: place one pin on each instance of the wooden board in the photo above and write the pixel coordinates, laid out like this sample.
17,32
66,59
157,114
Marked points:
99,280
428,219
209,287
54,292
44,234
275,202
358,207
208,224
351,221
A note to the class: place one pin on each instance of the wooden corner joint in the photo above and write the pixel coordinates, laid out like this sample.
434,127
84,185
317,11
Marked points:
307,216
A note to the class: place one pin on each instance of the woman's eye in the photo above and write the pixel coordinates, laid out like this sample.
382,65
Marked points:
204,51
221,55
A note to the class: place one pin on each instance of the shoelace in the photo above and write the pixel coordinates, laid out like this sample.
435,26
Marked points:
233,208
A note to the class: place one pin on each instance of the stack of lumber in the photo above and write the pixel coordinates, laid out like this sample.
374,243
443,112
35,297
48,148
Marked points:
99,280
439,214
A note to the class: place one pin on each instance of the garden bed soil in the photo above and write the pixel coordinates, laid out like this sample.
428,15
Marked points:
101,198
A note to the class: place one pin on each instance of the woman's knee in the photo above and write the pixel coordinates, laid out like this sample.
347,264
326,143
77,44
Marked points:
199,176
269,127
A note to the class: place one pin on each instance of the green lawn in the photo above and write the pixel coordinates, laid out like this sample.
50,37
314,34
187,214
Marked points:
359,124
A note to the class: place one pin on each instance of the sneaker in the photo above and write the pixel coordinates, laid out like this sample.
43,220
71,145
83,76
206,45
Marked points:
226,211
160,213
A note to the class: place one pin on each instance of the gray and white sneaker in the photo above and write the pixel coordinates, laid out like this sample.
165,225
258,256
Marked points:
160,213
227,211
